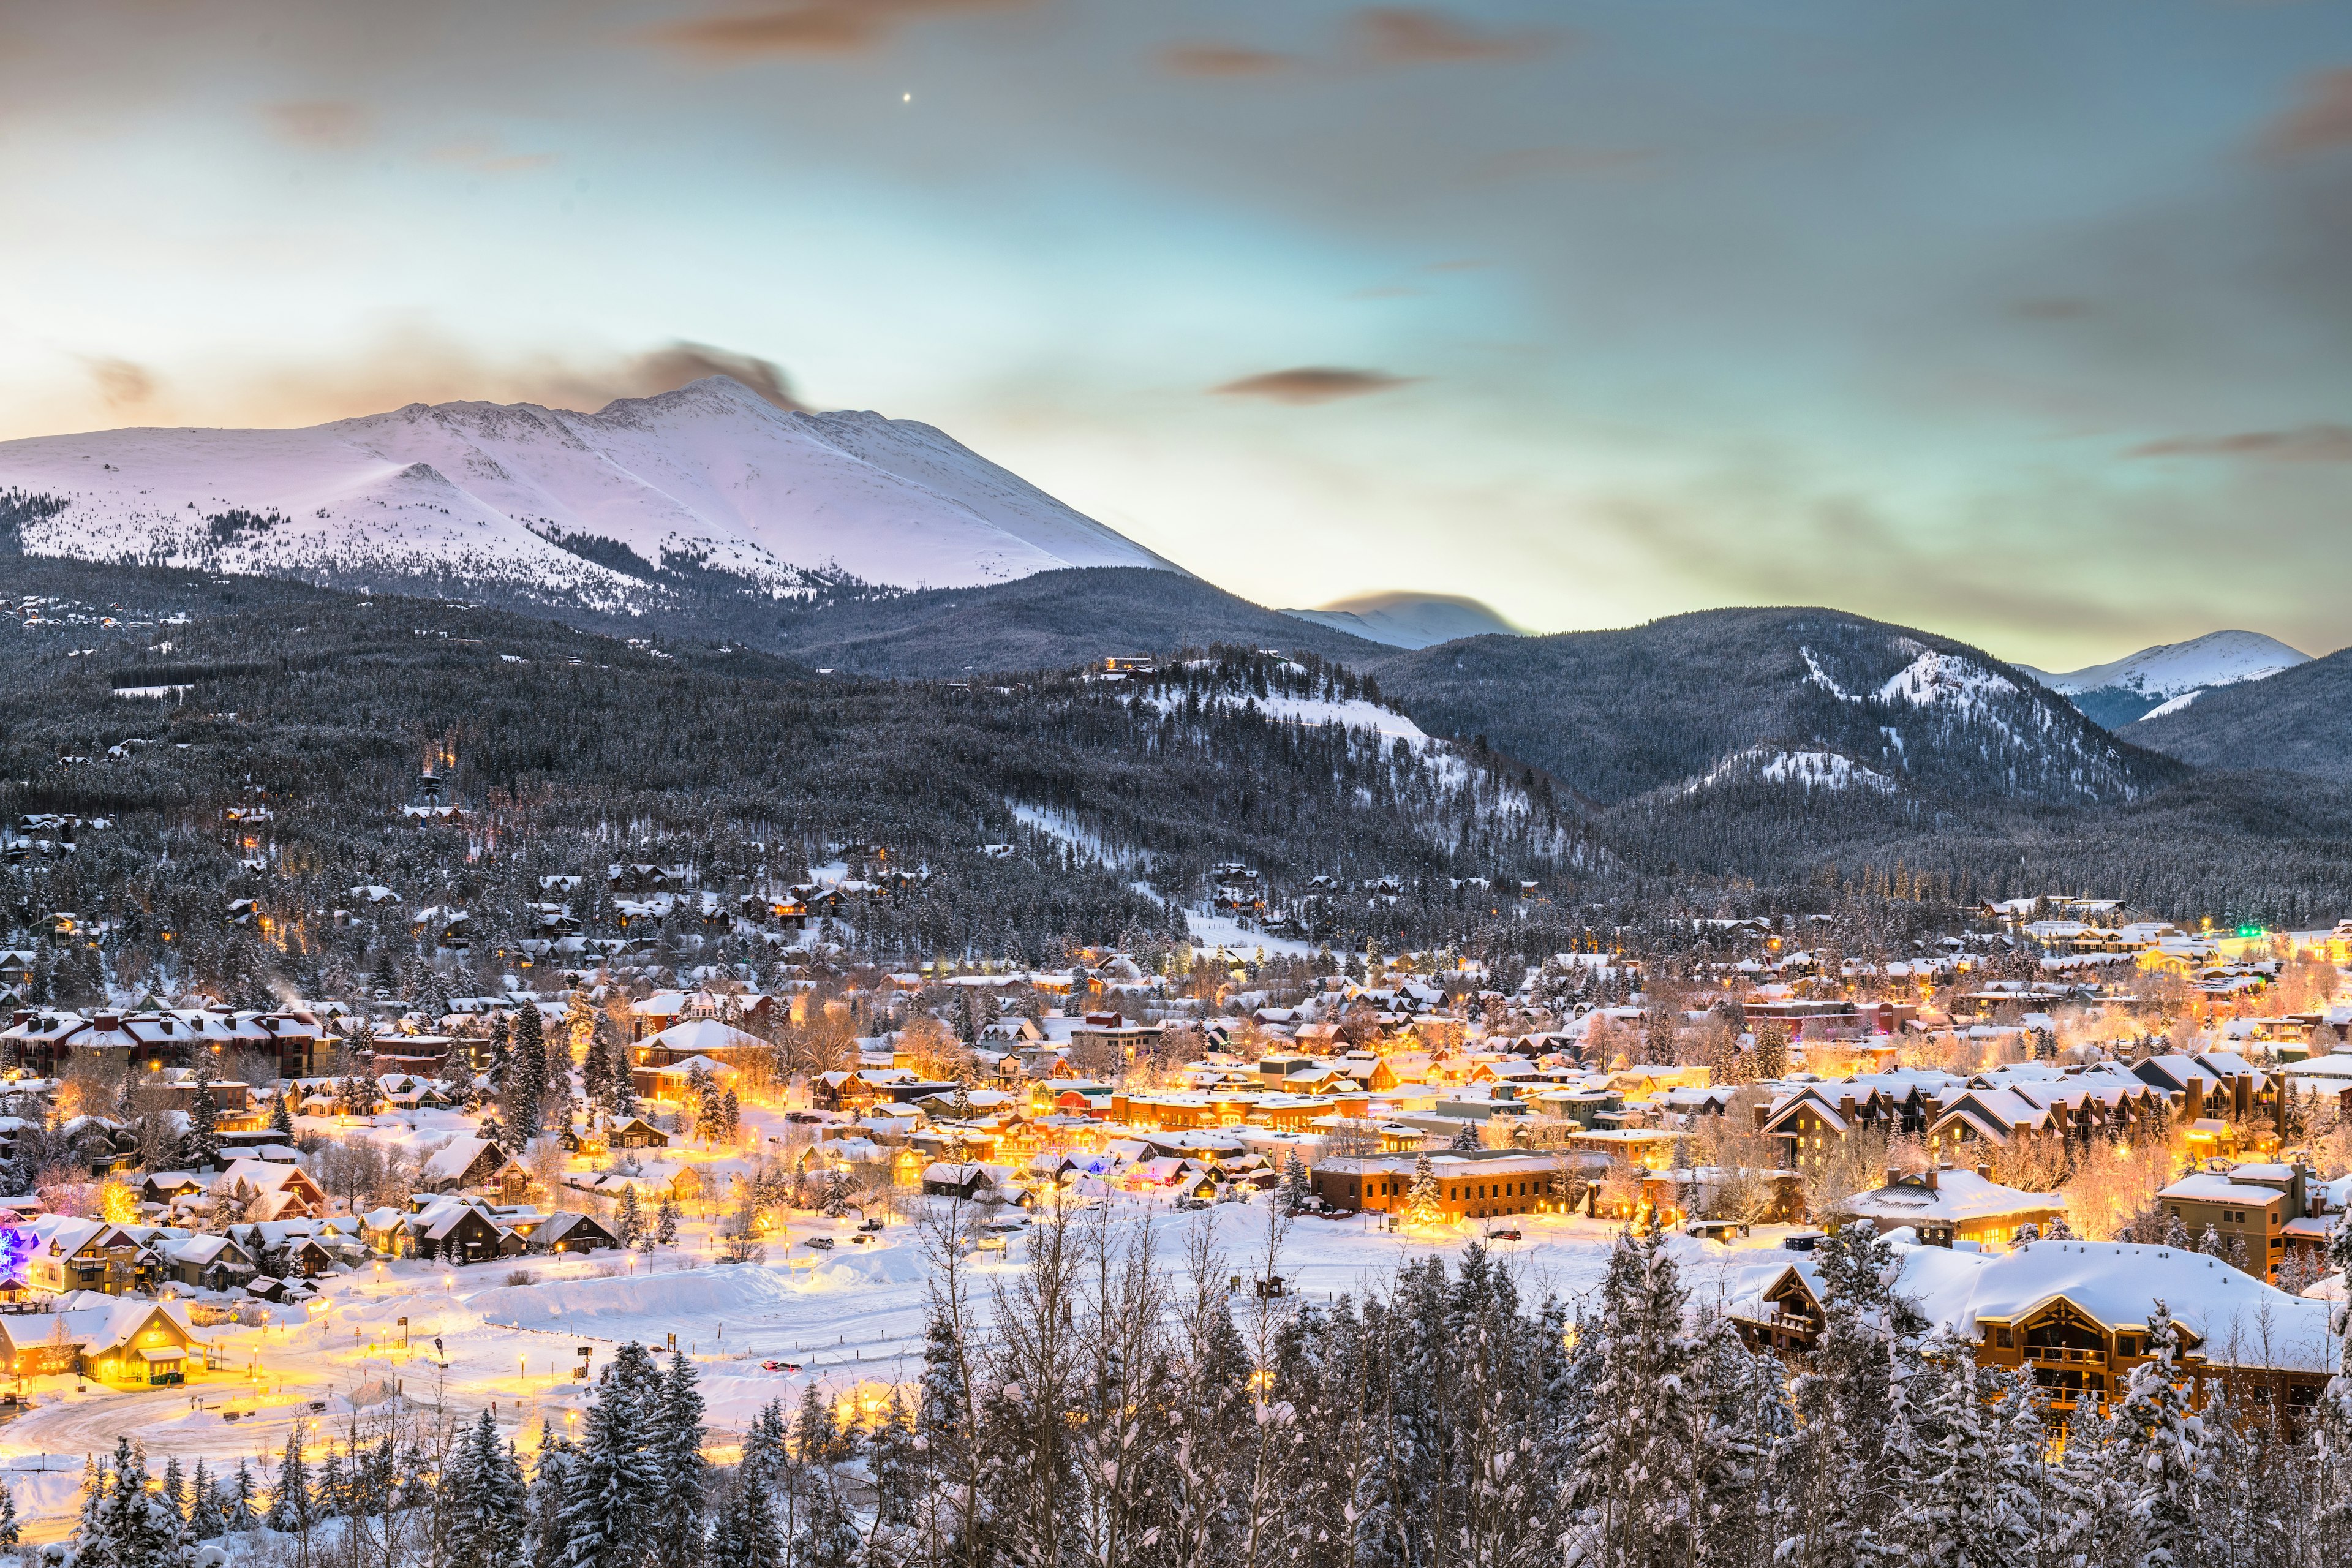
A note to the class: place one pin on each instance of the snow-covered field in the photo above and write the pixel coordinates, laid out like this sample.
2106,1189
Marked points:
857,1314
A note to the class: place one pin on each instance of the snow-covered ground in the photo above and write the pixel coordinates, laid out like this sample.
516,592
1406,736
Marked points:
854,1314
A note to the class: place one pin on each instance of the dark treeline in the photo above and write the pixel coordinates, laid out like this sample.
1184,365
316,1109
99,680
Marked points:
1101,1408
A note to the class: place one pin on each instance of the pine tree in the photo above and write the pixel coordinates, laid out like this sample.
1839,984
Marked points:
1466,1137
2176,1235
207,1520
674,1446
501,1053
665,1222
2210,1244
1296,1194
550,1486
1422,1205
281,1115
11,1532
609,1495
490,1505
631,1220
200,1145
241,1513
2161,1440
291,1511
523,1098
836,1194
1638,1465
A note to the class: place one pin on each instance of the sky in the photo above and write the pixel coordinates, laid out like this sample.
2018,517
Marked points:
2027,323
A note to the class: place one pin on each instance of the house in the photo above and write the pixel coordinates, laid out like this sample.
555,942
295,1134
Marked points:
568,1231
129,1344
461,1231
271,1190
636,1133
1471,1183
461,1163
968,1181
71,1254
1946,1205
210,1262
2249,1205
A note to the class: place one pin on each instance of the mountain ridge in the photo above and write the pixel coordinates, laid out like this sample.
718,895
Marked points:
711,477
2168,676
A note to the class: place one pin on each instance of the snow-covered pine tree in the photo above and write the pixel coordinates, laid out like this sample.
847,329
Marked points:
240,1499
174,1488
206,1517
1747,1418
1420,1197
2210,1244
1949,1514
836,1194
1637,1467
674,1446
665,1222
11,1531
291,1505
630,1222
2161,1441
1466,1137
2177,1237
551,1483
609,1495
281,1115
501,1052
200,1145
1296,1195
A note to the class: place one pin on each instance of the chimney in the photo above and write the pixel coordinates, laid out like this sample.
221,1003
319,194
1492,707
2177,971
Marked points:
106,1021
1894,1174
1928,1180
1985,1171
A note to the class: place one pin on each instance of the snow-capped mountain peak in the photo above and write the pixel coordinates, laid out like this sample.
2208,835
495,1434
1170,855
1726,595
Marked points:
2169,675
586,505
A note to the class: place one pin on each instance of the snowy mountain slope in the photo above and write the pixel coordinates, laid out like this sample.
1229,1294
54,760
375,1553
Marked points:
1408,620
1806,700
2134,687
585,506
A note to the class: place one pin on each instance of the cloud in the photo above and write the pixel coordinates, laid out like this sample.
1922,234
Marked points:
811,27
2310,443
327,124
121,383
668,369
1214,59
2321,120
1414,36
1312,384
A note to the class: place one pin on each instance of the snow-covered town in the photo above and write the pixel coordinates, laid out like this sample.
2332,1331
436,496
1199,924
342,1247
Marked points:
2076,1161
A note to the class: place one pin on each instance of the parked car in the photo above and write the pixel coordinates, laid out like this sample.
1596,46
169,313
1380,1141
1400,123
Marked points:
822,1243
1803,1240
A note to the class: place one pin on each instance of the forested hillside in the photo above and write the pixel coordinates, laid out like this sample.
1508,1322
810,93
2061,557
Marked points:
567,751
2299,718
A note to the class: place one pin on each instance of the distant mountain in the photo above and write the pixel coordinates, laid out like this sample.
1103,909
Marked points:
608,511
1042,621
2170,676
2300,719
1409,620
1771,703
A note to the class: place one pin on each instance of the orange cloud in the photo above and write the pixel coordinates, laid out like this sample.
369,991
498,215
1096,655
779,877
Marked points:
1414,36
811,27
325,123
1211,59
1312,384
2310,443
121,383
2322,120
